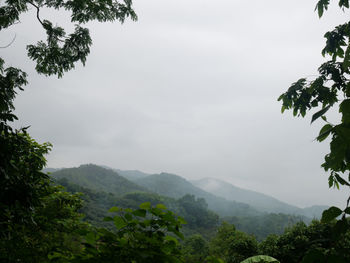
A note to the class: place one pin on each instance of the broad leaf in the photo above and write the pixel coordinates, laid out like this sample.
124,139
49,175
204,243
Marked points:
324,132
161,206
260,259
330,214
319,113
146,205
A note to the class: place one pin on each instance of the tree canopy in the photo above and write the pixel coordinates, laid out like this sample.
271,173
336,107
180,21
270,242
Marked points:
331,88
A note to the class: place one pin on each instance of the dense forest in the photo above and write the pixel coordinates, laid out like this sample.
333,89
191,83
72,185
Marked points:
93,214
179,195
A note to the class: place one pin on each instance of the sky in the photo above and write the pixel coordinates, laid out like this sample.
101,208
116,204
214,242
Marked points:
191,88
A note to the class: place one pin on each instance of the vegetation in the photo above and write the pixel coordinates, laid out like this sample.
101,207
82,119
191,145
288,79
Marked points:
200,219
331,88
40,222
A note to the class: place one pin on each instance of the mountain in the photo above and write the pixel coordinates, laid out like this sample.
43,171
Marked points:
99,179
50,170
314,211
259,201
131,175
175,186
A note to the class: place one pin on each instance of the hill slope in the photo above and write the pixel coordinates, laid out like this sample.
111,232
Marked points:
257,200
97,178
175,186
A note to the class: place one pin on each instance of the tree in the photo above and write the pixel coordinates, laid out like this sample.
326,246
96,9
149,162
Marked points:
330,89
23,185
231,245
302,243
148,234
195,249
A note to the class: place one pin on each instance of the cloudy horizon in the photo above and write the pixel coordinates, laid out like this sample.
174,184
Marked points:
191,88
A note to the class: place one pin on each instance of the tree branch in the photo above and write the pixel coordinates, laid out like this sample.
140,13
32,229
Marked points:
37,12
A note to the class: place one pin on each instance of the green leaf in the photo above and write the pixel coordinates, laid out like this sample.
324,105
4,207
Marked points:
260,259
347,210
108,218
319,113
330,181
324,132
344,108
128,217
346,62
146,205
161,206
119,222
114,209
344,3
90,238
181,220
172,239
330,214
139,212
341,180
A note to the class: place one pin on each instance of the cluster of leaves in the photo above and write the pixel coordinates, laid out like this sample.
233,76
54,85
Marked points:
231,245
21,161
147,234
330,88
314,243
35,217
60,51
54,228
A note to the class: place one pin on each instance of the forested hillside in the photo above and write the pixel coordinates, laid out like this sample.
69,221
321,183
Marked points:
91,214
179,195
98,178
176,186
259,201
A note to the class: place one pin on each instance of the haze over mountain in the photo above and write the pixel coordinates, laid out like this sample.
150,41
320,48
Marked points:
222,197
176,186
259,201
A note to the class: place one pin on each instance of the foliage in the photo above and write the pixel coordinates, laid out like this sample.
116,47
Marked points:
26,193
55,228
330,89
99,179
195,249
266,224
148,234
60,51
231,245
301,240
260,259
199,219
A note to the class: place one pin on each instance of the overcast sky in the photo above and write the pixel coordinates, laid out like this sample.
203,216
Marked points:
191,88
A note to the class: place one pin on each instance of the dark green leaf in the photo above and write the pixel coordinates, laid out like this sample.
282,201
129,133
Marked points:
324,132
344,108
330,214
319,114
119,222
341,180
139,212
